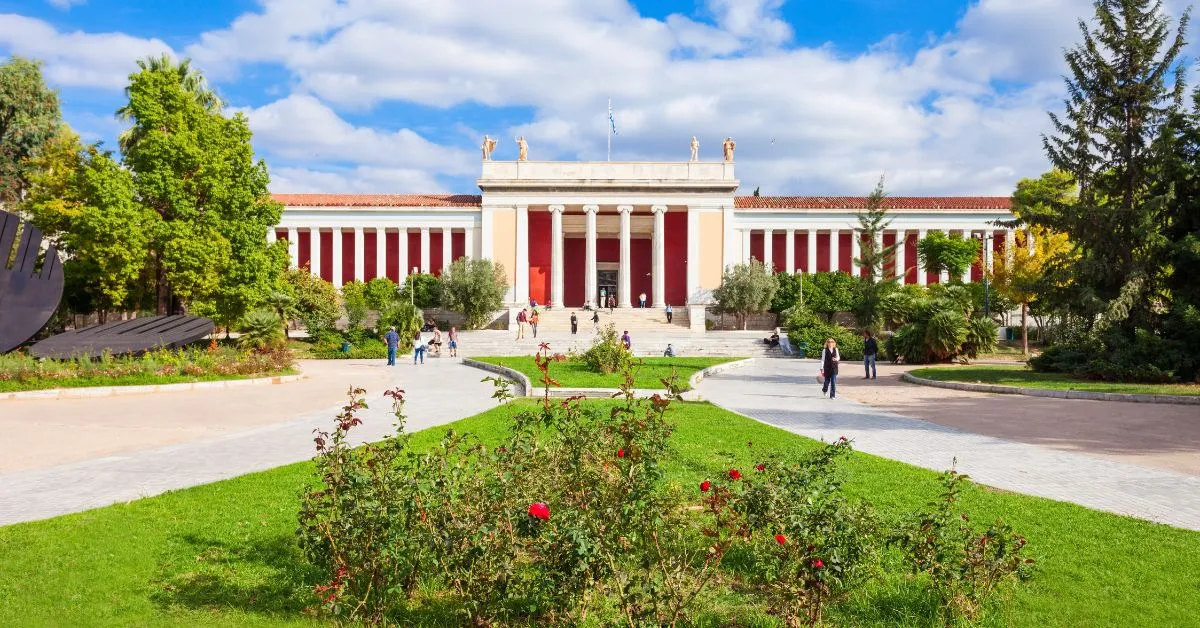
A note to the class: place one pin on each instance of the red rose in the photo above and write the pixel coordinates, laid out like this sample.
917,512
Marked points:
780,539
539,511
818,563
734,474
760,467
704,486
620,453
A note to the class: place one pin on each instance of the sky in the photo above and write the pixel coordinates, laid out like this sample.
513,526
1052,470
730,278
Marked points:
941,97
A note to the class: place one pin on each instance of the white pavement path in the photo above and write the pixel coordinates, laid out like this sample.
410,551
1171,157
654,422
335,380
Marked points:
439,392
784,393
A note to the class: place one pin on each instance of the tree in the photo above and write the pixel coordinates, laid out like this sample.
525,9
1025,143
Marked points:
872,221
475,288
746,289
380,292
316,300
939,253
830,293
284,306
422,289
195,169
29,117
1125,87
354,302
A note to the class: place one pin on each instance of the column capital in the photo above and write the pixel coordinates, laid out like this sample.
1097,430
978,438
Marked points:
555,208
591,209
658,209
625,209
768,230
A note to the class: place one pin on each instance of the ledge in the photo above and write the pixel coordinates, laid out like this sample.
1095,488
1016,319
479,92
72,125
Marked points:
527,389
1055,394
112,391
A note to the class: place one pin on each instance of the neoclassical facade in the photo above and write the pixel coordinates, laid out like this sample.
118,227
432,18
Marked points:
573,233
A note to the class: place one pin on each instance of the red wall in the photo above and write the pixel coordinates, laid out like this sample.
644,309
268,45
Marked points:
458,245
574,260
801,240
370,249
414,251
539,256
845,255
911,261
756,245
889,264
435,251
779,252
822,252
641,253
392,238
676,258
304,252
327,255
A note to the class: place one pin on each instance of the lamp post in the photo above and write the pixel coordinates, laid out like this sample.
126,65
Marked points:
412,288
986,238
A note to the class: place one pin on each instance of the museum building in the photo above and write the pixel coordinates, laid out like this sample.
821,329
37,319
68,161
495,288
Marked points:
572,233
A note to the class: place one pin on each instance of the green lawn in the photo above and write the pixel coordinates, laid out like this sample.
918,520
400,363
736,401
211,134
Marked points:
575,373
224,554
1006,375
124,380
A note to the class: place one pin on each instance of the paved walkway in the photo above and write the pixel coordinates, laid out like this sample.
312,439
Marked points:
784,393
439,392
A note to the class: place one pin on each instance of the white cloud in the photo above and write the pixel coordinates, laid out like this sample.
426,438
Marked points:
65,4
77,59
359,180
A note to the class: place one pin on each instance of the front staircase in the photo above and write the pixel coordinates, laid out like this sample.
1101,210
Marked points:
635,320
645,342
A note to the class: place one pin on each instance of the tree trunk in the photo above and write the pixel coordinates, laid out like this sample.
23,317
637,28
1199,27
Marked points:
160,284
1024,329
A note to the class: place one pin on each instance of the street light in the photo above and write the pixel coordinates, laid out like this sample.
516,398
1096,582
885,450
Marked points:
986,238
412,299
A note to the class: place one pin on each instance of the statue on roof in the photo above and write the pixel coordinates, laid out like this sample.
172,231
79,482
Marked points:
728,147
489,145
695,149
522,149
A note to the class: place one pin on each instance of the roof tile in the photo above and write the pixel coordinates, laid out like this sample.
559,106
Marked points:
378,200
860,202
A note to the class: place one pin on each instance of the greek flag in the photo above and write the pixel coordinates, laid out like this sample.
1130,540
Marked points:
612,123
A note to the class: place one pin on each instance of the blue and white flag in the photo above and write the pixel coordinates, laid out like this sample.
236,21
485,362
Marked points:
612,123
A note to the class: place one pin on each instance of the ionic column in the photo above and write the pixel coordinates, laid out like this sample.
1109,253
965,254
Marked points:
922,275
271,236
1010,245
834,244
447,248
768,249
380,252
522,271
966,276
693,253
360,257
402,256
1029,241
745,246
589,281
855,252
624,299
337,258
812,251
425,250
314,251
899,264
660,255
879,253
987,251
469,242
556,256
789,255
293,247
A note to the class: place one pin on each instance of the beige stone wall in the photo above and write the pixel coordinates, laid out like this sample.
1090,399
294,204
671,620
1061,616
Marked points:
712,232
504,241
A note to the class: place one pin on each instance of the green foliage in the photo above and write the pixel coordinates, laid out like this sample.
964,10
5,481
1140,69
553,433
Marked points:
380,292
939,252
424,289
872,221
284,306
745,289
607,353
405,317
475,288
354,303
824,293
30,118
804,327
317,304
966,567
937,326
1117,356
261,329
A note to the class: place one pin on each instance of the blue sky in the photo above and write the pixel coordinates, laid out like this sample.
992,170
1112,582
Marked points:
941,96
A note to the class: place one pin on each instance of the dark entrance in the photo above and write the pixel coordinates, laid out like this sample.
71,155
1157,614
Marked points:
606,283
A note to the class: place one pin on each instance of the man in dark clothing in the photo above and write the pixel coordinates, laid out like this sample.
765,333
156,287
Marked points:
870,350
574,324
829,367
393,340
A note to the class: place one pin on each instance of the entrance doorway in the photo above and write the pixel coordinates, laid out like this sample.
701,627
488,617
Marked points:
606,283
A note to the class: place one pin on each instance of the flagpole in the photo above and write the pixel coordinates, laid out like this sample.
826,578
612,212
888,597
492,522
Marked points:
609,133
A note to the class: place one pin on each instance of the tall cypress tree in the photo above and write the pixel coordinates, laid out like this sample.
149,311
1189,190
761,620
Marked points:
873,255
1125,85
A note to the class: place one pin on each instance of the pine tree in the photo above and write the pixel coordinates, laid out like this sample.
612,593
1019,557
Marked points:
1125,84
872,221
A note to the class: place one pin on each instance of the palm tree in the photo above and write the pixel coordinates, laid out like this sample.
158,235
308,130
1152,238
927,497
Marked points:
283,304
191,80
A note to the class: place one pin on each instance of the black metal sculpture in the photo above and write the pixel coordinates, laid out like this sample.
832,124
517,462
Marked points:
27,298
132,336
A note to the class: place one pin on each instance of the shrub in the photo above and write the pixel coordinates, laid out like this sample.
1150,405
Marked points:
1144,358
805,327
260,329
426,290
475,288
354,303
316,300
607,354
380,292
406,318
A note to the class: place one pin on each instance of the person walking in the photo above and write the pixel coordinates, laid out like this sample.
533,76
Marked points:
452,335
642,300
870,350
612,303
829,367
669,313
534,319
393,341
522,318
595,322
419,349
626,340
574,324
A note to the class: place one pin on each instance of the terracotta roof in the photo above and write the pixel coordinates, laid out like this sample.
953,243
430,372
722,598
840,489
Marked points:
860,202
378,200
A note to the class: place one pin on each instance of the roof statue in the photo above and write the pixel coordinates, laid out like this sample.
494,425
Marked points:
728,146
28,295
489,145
695,149
522,149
